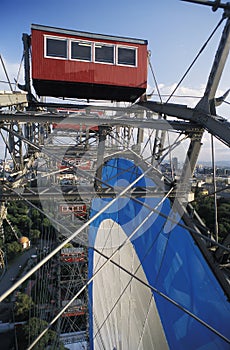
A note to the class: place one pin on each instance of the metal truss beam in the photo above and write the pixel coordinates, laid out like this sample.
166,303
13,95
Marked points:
217,126
157,124
73,193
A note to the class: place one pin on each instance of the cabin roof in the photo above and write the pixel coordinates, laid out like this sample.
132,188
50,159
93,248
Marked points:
87,34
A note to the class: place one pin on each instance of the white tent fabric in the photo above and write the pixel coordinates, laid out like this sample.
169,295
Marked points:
124,310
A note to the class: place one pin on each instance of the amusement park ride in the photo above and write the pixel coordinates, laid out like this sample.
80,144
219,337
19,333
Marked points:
155,275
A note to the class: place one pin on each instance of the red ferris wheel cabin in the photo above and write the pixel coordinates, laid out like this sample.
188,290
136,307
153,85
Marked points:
69,63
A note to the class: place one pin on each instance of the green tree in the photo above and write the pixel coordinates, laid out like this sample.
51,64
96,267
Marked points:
33,328
206,210
23,305
8,232
35,234
68,245
24,224
13,249
18,214
36,219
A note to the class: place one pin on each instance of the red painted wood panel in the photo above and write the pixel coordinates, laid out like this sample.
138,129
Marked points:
87,72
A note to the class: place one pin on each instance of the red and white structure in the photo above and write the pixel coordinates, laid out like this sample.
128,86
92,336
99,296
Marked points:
85,65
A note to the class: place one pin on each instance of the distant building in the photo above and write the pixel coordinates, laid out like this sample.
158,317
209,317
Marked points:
74,340
175,164
209,179
204,192
73,255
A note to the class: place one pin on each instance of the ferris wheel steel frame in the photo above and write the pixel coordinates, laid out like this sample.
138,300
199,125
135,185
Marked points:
193,122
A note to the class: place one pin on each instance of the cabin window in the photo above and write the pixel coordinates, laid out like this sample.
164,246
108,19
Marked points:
56,48
81,50
64,209
126,56
104,53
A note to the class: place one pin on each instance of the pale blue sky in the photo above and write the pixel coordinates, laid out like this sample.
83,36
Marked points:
175,30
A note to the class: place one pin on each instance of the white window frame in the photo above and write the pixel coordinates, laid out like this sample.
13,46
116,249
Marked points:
80,41
93,45
104,44
127,47
56,38
64,209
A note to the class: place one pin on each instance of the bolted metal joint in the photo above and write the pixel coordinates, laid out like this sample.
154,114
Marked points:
216,5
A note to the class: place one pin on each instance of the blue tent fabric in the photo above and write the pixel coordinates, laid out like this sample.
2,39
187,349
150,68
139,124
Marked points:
172,262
